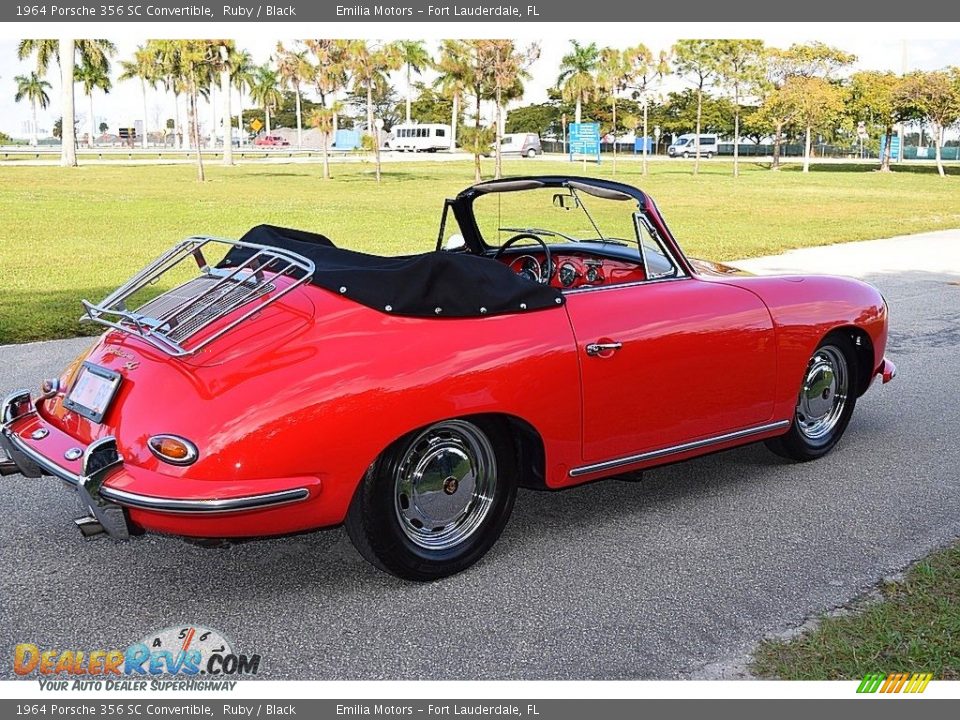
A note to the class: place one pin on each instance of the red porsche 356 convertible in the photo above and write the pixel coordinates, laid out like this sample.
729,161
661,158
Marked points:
556,334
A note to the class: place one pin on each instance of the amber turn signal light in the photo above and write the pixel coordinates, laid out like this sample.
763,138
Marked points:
172,449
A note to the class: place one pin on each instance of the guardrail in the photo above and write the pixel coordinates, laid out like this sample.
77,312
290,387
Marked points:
26,151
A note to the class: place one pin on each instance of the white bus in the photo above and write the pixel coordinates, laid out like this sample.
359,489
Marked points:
420,137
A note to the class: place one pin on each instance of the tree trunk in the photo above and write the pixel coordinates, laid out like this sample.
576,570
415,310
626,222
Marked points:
777,140
806,151
240,132
213,116
577,113
227,113
299,120
195,131
68,134
736,131
476,140
453,122
408,93
370,127
36,135
177,127
613,102
938,142
696,148
266,115
143,88
645,135
498,169
888,141
93,122
326,158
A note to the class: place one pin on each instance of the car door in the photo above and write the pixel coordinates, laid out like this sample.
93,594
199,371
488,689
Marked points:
670,361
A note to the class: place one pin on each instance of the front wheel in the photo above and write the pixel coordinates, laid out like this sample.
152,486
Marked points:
435,501
825,403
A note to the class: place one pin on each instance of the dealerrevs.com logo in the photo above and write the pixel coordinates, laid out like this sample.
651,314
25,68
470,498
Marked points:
201,659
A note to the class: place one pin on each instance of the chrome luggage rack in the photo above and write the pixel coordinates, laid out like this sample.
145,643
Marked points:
171,319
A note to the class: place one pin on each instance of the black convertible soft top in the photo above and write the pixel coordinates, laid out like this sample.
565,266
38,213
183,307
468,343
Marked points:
433,284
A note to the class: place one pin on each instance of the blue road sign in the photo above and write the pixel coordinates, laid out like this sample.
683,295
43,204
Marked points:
584,139
894,146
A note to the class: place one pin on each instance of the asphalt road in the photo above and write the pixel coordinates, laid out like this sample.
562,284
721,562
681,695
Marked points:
658,579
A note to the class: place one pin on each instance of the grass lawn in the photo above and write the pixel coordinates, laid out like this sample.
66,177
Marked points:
72,234
914,628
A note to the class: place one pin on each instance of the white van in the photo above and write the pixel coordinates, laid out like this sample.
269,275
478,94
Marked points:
417,137
523,144
686,146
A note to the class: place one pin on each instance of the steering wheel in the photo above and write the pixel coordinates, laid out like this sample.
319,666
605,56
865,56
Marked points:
544,277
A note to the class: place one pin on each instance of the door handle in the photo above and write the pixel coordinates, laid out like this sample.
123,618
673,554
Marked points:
600,348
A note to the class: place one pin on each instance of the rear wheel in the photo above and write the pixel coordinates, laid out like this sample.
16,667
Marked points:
531,153
825,403
435,501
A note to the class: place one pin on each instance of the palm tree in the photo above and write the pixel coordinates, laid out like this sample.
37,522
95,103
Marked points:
416,58
613,73
34,88
242,64
576,79
224,52
509,67
453,68
480,81
620,70
90,51
170,73
189,65
295,69
265,92
143,67
369,63
93,77
322,118
330,76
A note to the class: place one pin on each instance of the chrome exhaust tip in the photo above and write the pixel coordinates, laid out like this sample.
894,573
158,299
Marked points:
89,527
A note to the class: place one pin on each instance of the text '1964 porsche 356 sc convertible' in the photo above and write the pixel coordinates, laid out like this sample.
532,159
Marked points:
555,335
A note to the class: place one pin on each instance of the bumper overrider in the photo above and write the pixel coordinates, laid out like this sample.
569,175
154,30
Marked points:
107,507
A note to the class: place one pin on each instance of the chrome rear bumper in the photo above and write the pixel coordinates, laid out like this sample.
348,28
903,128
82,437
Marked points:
100,459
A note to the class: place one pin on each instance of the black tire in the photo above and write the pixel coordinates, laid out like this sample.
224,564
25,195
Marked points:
377,523
686,156
810,436
709,156
531,153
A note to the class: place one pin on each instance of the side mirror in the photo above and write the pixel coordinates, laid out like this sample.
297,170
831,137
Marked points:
454,242
565,202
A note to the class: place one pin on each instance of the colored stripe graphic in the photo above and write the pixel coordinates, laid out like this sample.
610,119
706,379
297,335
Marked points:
895,683
871,682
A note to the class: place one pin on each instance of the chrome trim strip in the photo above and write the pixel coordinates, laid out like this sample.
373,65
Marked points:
149,502
617,286
676,449
249,502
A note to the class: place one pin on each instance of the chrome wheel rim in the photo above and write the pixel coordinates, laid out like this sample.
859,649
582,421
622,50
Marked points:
823,396
445,484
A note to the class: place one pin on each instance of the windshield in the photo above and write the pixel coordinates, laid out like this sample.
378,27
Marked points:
556,214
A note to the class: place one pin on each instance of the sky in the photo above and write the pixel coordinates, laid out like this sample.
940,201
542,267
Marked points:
123,105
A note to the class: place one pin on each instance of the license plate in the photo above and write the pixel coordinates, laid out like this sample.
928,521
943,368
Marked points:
92,392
